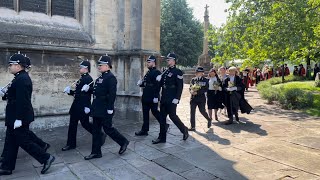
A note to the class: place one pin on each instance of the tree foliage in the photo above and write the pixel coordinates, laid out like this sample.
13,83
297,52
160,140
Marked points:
257,30
181,33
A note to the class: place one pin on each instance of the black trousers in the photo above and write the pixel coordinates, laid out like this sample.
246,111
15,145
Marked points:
146,107
232,110
171,110
34,138
201,105
73,127
106,124
21,137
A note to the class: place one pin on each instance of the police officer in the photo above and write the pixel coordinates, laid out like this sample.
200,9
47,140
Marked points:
102,109
198,87
150,96
34,138
172,86
19,115
80,107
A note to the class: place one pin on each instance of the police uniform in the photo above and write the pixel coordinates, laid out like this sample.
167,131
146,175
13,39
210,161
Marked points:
34,137
172,86
198,99
150,97
19,115
80,107
104,96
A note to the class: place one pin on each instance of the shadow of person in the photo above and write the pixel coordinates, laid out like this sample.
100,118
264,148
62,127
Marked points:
243,125
210,136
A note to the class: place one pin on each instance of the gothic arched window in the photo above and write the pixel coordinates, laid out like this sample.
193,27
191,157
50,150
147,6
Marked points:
7,4
50,7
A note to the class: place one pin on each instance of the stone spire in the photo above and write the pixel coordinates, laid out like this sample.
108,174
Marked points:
204,59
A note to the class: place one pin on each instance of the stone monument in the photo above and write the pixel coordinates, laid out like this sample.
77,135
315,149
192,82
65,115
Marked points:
204,59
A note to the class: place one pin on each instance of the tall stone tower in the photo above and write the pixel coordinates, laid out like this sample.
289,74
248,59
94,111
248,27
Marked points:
204,59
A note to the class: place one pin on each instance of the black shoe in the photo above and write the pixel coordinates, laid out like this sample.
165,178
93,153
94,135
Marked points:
47,165
1,159
103,139
167,127
67,148
157,141
192,129
92,156
216,118
209,123
5,172
228,123
237,119
185,135
124,148
141,133
46,147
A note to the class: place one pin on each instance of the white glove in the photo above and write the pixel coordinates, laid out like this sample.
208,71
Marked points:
232,89
175,101
17,124
139,82
86,110
2,93
85,88
220,89
158,78
67,90
110,111
155,100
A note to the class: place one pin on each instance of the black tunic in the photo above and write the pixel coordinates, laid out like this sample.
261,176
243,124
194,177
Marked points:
18,98
104,95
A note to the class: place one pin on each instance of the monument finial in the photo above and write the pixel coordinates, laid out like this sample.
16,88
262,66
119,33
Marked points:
206,13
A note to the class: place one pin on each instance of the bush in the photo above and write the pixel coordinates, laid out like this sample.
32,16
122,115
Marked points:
268,92
278,80
289,97
295,98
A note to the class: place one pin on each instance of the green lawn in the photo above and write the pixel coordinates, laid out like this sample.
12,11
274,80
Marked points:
314,109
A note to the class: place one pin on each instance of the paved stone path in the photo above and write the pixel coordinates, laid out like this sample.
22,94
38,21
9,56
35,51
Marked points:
269,144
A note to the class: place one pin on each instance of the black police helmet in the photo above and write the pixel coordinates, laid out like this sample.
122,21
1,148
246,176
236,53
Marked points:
105,59
199,69
18,59
152,58
172,56
85,64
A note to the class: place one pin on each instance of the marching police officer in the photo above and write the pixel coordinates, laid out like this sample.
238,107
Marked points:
102,109
172,86
34,138
150,96
198,87
80,107
19,115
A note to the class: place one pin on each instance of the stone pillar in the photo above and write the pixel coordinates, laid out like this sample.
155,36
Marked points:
204,59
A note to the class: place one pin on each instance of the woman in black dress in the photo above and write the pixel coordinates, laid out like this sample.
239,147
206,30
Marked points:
214,94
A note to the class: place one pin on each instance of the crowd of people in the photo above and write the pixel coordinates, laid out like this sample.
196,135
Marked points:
252,76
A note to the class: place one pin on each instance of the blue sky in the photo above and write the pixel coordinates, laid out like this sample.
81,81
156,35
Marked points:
216,10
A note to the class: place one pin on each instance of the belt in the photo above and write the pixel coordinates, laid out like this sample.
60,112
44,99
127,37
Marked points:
101,97
150,85
169,86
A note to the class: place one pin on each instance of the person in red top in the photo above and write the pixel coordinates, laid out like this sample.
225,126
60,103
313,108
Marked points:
302,70
286,70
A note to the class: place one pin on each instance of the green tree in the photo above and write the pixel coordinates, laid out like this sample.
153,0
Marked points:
181,33
256,30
